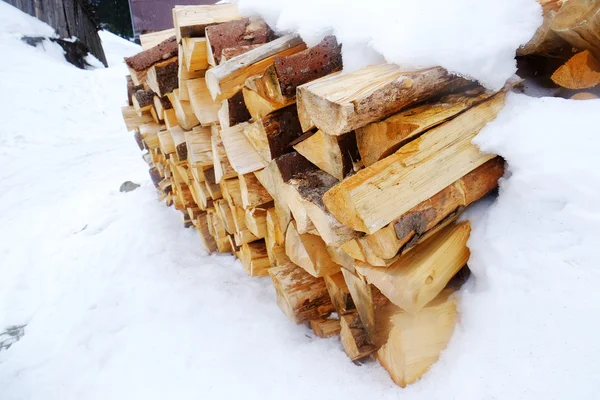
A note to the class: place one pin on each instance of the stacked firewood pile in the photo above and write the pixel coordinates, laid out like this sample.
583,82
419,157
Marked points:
345,188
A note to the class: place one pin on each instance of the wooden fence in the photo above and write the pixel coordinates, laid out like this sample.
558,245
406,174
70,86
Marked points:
69,18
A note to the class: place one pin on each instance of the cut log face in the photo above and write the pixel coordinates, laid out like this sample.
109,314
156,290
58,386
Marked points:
256,222
162,77
207,240
325,328
228,78
199,147
416,341
234,34
309,252
582,71
274,230
205,109
166,142
223,169
380,139
170,117
255,258
342,103
578,22
183,111
232,192
253,193
335,155
421,274
386,190
301,296
340,294
132,119
354,337
191,21
194,53
241,154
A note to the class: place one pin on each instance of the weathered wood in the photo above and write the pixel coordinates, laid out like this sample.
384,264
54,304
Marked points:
325,328
194,53
416,341
240,153
140,63
335,155
228,78
381,139
191,21
584,96
386,190
342,103
162,77
149,40
421,274
339,293
354,337
233,111
234,34
253,193
309,252
578,22
205,109
271,136
300,296
582,71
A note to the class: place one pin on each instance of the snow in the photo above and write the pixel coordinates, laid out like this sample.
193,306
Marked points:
474,38
120,302
115,48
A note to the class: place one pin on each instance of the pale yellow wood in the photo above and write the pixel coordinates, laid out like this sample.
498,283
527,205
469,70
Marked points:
339,293
578,22
232,192
259,107
149,40
194,53
325,328
183,111
324,151
253,193
199,146
256,221
354,338
166,142
208,242
223,169
240,153
190,21
255,258
132,119
205,109
309,252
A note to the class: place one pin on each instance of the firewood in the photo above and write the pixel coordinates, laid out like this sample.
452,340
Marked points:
584,96
582,71
178,136
421,274
386,190
170,117
139,140
131,89
256,221
354,337
325,328
274,230
259,107
342,103
339,256
224,212
166,142
194,53
208,242
380,139
234,34
339,293
143,101
139,64
578,22
230,52
545,41
373,307
253,193
149,40
309,252
199,147
335,155
191,21
240,153
300,296
416,341
232,192
183,111
213,188
228,78
255,259
132,119
223,169
271,136
275,251
162,77
205,109
296,204
233,111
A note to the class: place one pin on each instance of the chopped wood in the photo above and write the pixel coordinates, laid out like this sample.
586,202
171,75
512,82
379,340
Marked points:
253,193
149,40
240,153
233,111
223,169
166,142
140,63
208,242
584,96
191,21
199,147
300,296
162,77
336,155
309,252
228,78
578,22
235,34
194,53
582,71
143,101
416,341
325,328
354,337
386,190
183,111
380,139
205,109
342,103
131,89
274,230
132,119
232,192
170,117
160,105
256,222
229,53
255,258
545,41
339,293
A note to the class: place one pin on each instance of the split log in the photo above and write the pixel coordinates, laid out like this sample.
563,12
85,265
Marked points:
342,103
228,78
259,107
224,212
416,341
205,109
233,111
139,64
230,52
545,41
235,34
194,53
255,258
380,139
421,274
386,190
132,119
354,337
253,193
336,155
231,190
340,294
300,296
149,40
582,71
309,252
339,256
183,111
208,242
256,222
160,105
199,147
191,21
325,328
170,117
162,77
213,188
223,169
578,22
143,101
240,153
131,89
178,136
166,142
271,136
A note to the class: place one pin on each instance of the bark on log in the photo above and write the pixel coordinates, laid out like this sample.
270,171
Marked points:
233,111
140,63
162,77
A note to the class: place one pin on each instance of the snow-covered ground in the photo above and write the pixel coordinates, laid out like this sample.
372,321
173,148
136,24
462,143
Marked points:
120,302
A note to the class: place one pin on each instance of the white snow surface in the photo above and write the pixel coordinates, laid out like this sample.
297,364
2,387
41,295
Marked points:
120,301
474,38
